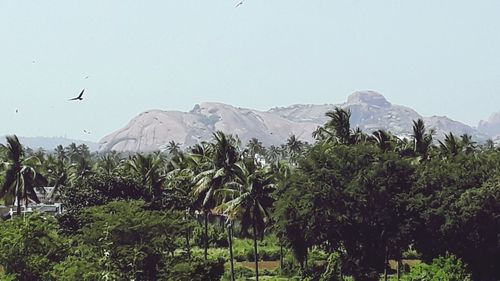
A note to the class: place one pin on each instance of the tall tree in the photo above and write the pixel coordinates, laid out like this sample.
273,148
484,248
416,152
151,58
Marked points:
219,167
254,187
338,128
422,139
21,175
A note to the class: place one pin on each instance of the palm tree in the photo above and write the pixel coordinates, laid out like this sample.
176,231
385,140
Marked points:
489,145
274,154
255,147
254,187
450,145
337,129
149,170
173,148
219,167
383,140
21,177
468,145
108,163
294,147
422,139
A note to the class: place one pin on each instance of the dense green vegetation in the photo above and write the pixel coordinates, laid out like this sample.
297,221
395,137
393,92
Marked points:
344,208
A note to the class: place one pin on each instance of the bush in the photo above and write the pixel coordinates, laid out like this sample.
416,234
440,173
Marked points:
333,269
195,270
448,268
30,247
217,237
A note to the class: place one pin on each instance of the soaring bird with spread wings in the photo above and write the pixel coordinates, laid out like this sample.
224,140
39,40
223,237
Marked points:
79,96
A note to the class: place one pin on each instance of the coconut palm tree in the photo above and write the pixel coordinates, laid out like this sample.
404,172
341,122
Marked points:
468,145
149,169
173,148
108,163
337,129
255,147
295,147
383,140
219,167
450,146
254,187
422,139
21,177
273,154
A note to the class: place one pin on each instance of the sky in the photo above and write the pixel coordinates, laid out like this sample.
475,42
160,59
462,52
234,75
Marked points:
437,57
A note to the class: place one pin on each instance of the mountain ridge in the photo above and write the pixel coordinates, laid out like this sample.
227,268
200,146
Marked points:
370,111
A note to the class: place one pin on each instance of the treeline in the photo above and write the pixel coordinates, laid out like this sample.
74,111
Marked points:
363,199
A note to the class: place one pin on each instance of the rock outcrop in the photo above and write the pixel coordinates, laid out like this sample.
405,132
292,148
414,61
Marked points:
153,129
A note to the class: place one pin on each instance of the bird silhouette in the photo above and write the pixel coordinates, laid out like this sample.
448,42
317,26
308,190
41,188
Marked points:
239,4
86,132
79,96
17,110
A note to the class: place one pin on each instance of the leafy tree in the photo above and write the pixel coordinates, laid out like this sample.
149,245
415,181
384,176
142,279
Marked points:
443,269
31,246
351,199
454,209
138,241
95,191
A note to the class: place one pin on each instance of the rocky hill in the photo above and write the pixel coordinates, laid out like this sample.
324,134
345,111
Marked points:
153,129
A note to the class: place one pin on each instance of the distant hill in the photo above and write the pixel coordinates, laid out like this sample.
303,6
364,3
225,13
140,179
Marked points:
153,129
50,143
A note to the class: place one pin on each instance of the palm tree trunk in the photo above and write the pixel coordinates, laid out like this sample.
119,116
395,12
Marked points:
206,235
18,205
398,271
256,254
386,264
281,256
188,246
230,240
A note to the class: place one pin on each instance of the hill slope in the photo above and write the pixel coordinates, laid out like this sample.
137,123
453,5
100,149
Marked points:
153,129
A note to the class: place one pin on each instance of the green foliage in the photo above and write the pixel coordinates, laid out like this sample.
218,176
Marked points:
456,208
195,270
94,191
136,239
85,263
30,246
349,194
441,269
217,236
333,271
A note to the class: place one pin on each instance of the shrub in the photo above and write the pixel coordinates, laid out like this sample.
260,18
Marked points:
195,270
217,237
333,269
30,247
448,268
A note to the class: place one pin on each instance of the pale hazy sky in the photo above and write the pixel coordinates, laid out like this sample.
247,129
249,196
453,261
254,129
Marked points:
438,57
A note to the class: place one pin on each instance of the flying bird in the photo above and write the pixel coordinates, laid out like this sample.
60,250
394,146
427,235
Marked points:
17,110
86,132
79,96
239,4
